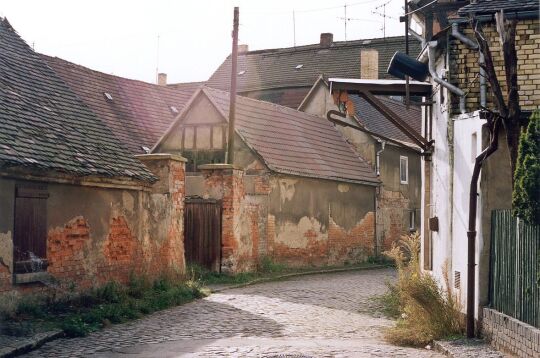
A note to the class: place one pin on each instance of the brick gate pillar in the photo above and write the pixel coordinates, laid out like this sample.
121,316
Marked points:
225,182
164,219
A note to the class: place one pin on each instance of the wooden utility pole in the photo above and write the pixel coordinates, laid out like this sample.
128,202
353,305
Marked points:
232,102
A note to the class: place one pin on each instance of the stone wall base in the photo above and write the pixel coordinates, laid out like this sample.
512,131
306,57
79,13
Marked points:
507,334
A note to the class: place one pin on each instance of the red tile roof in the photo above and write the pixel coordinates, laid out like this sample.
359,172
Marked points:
294,142
139,112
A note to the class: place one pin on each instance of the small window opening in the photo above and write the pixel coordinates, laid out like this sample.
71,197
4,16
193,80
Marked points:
108,96
412,219
404,170
457,280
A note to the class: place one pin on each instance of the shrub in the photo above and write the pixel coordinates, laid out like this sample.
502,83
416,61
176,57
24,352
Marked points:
526,194
427,311
267,265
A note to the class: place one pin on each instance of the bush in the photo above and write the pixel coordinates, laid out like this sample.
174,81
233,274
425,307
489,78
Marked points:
426,310
526,195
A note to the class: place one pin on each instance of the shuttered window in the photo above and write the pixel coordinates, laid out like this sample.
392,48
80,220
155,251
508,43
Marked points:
30,227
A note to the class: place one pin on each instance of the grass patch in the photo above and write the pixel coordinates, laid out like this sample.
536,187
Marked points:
425,310
266,269
111,303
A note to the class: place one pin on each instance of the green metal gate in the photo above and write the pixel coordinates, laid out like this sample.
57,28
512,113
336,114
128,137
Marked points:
515,267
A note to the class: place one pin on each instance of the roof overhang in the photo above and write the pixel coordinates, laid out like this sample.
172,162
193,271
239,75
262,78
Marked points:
369,89
380,87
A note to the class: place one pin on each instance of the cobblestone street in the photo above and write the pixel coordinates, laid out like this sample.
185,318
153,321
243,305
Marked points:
329,315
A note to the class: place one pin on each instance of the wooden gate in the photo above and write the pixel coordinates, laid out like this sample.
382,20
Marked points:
202,233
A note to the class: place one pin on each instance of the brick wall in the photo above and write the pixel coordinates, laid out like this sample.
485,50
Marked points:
114,232
507,334
464,67
392,214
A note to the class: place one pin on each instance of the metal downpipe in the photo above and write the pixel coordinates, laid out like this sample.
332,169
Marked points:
455,90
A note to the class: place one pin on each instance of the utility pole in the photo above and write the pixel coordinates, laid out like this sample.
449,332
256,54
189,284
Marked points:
232,102
407,95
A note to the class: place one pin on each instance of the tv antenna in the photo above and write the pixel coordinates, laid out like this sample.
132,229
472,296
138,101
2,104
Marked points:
383,15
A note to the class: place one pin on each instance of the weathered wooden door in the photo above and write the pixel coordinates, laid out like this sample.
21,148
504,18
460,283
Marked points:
30,227
202,229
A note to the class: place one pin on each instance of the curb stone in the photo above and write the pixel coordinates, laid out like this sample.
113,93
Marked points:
467,348
28,344
294,274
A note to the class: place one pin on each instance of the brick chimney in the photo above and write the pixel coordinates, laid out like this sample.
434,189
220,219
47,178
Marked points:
162,79
326,39
243,48
369,64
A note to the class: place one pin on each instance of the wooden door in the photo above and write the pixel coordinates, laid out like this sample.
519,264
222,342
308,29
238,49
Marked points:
202,233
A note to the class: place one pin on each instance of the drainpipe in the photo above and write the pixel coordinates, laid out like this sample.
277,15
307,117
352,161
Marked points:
455,90
482,82
378,161
473,45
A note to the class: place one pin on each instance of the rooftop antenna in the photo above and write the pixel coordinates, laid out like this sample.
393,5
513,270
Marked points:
383,14
157,59
345,21
294,28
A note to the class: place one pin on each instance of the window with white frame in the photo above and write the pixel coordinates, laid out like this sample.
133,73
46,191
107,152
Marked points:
412,219
403,169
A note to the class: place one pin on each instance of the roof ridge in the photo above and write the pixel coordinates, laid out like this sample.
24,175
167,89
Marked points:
269,104
70,63
336,44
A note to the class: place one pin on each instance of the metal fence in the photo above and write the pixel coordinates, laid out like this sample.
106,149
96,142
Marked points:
515,267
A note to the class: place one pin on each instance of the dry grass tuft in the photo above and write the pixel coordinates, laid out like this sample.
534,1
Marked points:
428,311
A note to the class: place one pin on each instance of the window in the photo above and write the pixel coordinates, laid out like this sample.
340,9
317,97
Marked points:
189,134
412,220
108,96
404,170
217,137
30,228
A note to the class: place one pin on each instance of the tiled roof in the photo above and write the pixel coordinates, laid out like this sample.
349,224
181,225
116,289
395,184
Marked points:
139,112
45,126
375,122
276,68
491,6
294,142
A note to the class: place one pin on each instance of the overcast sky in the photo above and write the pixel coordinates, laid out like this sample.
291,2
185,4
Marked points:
121,36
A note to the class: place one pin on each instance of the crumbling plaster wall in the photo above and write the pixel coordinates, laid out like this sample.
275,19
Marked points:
320,222
394,200
100,234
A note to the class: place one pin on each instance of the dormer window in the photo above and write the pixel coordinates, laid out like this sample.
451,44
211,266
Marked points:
108,96
299,67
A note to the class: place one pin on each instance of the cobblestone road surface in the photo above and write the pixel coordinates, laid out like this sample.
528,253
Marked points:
328,315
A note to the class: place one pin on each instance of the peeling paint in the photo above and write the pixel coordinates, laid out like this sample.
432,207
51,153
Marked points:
6,250
287,189
297,235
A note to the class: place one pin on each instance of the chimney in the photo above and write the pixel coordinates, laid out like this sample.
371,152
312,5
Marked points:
243,48
326,39
369,64
162,79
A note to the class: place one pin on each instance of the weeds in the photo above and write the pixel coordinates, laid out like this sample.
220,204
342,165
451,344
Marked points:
426,310
101,306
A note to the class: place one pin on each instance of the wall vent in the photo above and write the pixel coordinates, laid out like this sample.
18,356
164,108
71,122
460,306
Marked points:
457,280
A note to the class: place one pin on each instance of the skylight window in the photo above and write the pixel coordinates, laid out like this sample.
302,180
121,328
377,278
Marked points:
241,73
108,96
146,149
298,67
173,109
